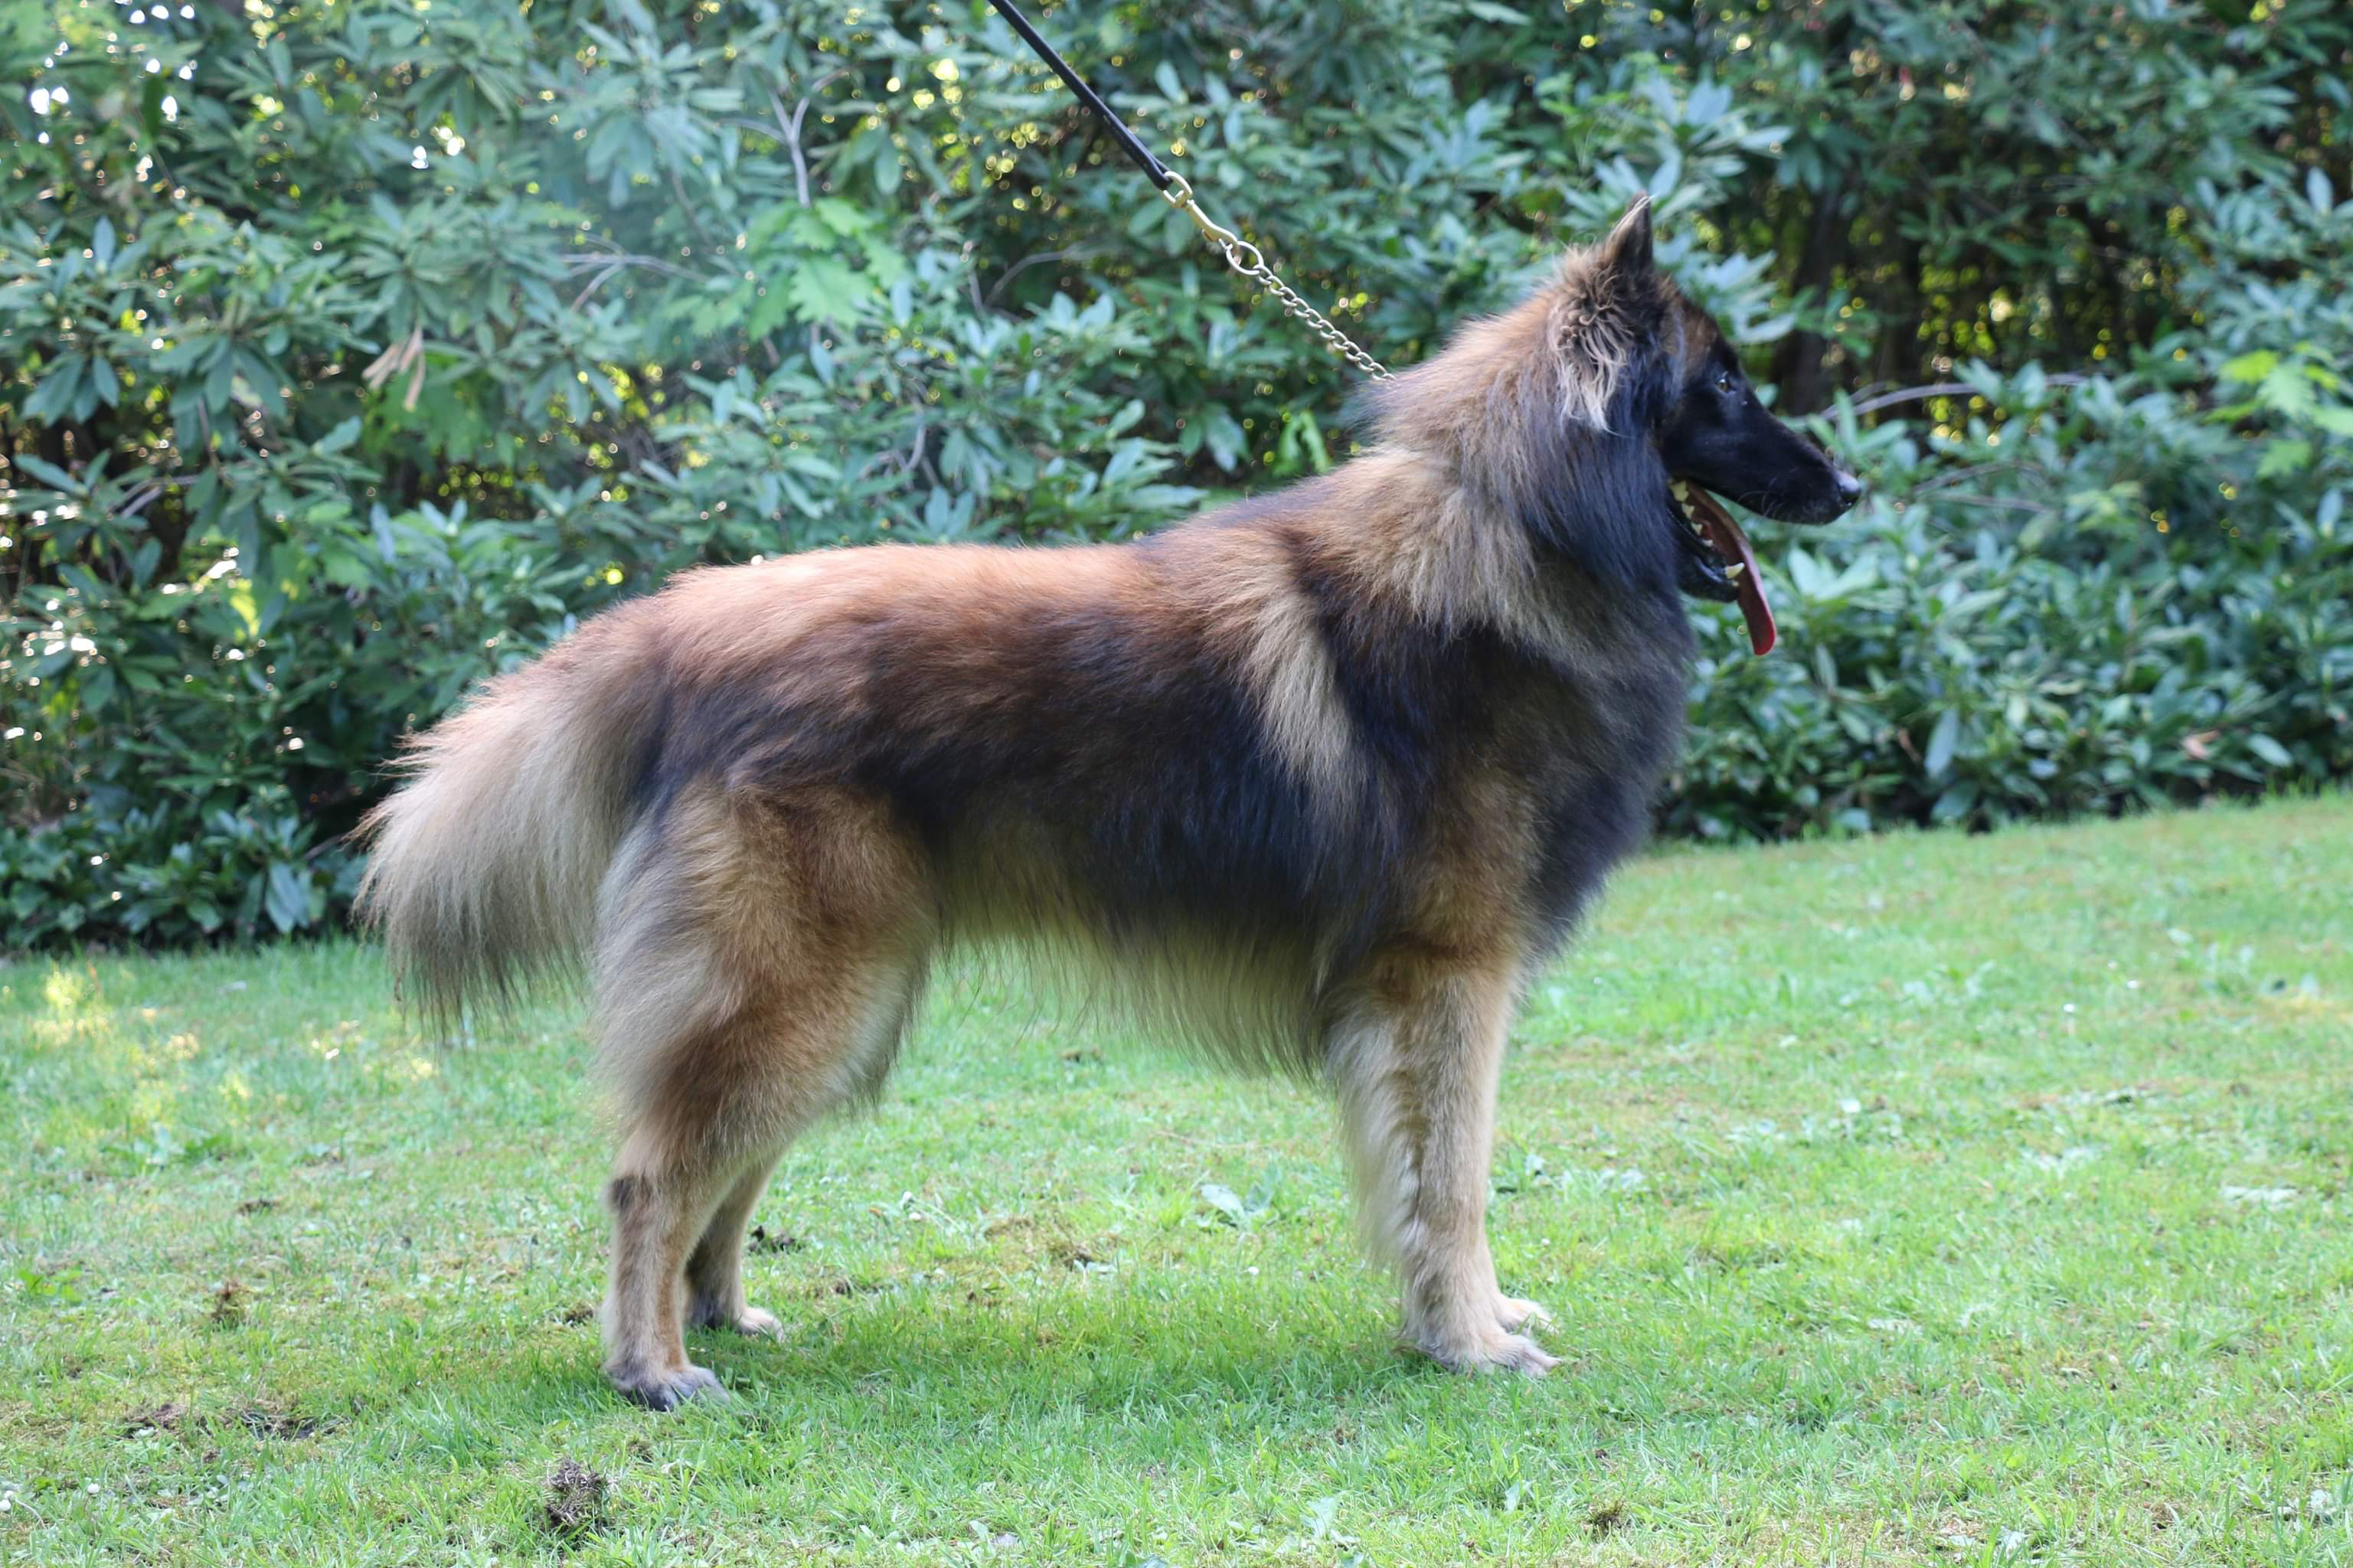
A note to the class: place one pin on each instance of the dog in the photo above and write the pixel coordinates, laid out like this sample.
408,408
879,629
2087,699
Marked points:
1319,780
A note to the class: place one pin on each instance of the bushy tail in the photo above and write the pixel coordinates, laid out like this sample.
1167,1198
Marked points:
484,867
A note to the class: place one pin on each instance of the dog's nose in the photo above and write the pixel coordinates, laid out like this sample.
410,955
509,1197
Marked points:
1848,487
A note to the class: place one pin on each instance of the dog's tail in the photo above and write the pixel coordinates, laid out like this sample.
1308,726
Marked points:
484,867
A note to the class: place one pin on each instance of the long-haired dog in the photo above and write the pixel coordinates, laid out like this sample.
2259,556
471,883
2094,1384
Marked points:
1320,779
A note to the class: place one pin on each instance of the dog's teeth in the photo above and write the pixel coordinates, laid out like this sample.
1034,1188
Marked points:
1735,568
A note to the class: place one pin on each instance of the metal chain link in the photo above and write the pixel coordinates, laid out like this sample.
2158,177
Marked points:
1244,259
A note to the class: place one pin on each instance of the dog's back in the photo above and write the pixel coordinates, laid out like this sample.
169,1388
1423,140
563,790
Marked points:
1211,766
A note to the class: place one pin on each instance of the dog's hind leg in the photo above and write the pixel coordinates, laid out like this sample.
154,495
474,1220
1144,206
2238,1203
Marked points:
714,1271
1415,1053
877,1016
660,1194
757,961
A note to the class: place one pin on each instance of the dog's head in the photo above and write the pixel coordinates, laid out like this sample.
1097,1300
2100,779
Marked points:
1642,362
1688,390
1582,410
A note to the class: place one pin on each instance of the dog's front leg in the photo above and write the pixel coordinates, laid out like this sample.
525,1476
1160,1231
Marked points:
1415,1057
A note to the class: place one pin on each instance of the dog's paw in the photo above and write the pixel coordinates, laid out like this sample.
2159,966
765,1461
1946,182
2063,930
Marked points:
752,1320
665,1388
702,1313
1514,1314
1513,1353
1484,1349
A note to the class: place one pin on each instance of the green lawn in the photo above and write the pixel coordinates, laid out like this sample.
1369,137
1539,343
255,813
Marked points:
1928,1199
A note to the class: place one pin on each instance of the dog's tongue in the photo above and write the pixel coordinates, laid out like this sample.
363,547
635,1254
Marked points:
1723,536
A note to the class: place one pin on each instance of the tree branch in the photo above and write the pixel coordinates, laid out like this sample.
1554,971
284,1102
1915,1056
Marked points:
1947,389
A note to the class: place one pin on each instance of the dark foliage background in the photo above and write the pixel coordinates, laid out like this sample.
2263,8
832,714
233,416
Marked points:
348,352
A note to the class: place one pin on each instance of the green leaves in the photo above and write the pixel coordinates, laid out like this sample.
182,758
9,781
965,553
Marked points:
1971,676
2299,389
824,289
292,896
2270,751
1941,743
2255,366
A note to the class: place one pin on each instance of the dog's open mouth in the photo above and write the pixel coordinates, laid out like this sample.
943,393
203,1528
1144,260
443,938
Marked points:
1718,563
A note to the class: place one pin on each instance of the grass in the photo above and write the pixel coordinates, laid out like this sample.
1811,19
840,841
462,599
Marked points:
1927,1199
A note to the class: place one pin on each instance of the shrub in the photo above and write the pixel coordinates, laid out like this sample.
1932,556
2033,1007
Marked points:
349,352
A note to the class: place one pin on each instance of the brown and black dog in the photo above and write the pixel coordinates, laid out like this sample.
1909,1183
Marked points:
1319,780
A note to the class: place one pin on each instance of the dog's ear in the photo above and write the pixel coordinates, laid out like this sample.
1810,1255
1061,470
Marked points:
1609,298
1627,252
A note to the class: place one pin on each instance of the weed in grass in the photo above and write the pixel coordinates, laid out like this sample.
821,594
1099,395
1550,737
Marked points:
575,1500
228,1303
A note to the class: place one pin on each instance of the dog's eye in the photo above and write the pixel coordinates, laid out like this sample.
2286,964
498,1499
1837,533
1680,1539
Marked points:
1724,379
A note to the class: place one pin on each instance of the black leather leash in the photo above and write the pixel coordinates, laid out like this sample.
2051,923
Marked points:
1239,253
1154,169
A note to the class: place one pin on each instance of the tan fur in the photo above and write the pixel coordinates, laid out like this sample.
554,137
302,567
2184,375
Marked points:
757,978
1594,317
1279,654
486,866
